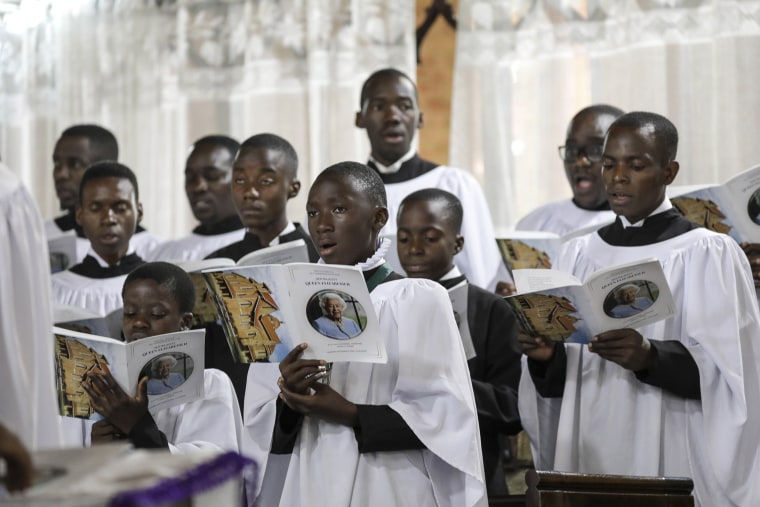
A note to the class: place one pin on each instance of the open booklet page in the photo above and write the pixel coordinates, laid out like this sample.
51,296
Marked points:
63,252
266,310
559,307
83,320
535,249
458,297
732,208
173,362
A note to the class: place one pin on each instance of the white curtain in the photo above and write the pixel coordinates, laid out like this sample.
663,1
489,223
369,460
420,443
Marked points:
160,74
524,67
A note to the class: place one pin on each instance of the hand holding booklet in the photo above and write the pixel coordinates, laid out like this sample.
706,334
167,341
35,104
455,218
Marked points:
559,307
267,310
173,362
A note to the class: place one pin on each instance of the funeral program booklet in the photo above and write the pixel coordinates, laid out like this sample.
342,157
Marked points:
267,310
173,362
732,208
86,321
204,311
559,307
535,249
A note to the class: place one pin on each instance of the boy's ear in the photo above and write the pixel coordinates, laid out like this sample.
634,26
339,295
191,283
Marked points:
294,188
186,321
359,120
78,214
421,121
458,244
139,212
670,172
380,218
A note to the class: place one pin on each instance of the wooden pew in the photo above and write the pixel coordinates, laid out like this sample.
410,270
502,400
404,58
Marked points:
558,489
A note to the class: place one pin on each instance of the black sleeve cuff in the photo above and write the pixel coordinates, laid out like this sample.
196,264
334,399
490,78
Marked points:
381,428
675,370
549,376
146,435
286,427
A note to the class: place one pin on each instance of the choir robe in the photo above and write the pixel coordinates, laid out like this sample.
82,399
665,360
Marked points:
200,243
418,442
495,375
212,422
218,353
655,422
27,396
92,286
142,241
564,217
479,260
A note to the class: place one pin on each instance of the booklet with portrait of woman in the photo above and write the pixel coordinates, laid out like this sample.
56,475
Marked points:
267,310
173,362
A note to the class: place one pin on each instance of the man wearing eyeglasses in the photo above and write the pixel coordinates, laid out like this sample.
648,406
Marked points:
582,156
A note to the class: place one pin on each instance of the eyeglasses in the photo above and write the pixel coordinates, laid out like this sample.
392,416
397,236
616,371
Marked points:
593,152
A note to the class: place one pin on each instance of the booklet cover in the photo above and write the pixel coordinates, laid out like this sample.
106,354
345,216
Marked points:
267,310
174,362
732,208
83,320
557,306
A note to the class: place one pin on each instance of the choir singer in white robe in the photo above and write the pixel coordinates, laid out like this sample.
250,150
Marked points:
677,398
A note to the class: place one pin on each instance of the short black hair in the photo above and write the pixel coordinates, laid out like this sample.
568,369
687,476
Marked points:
364,179
166,275
452,204
103,144
666,133
276,143
230,144
381,74
108,169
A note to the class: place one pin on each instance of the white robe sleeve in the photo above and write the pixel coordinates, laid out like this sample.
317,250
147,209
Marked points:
213,422
433,392
27,396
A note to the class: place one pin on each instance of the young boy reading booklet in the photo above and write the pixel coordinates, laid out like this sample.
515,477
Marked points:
404,433
674,398
158,298
428,239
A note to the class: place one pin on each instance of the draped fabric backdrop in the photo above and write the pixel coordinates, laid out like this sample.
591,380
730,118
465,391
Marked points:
524,67
162,74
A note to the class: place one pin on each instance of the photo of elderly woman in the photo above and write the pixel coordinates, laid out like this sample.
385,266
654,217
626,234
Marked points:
165,373
339,315
630,298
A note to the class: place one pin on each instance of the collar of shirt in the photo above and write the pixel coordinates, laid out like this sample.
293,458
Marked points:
451,274
104,264
665,205
291,227
394,167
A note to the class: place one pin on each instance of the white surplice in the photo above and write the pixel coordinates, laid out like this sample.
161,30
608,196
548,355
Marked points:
426,381
479,260
563,217
27,395
212,422
609,422
194,246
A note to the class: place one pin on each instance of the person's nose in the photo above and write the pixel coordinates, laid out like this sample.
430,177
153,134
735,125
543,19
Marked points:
619,173
392,114
323,222
251,193
109,216
198,185
416,246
